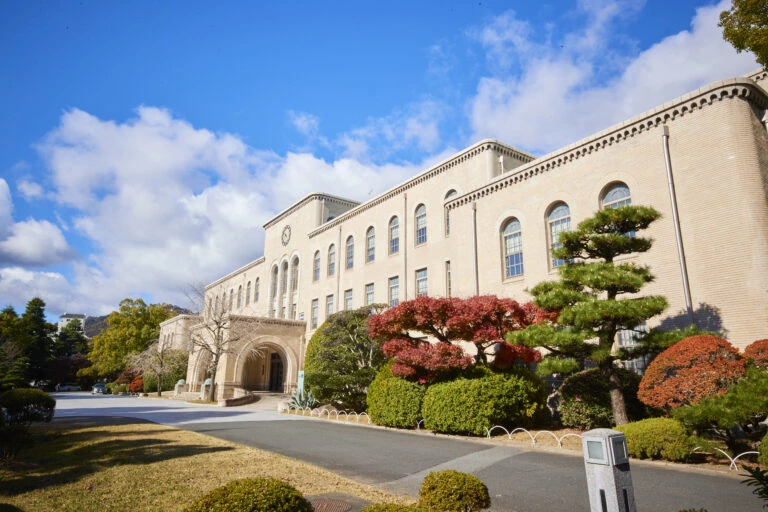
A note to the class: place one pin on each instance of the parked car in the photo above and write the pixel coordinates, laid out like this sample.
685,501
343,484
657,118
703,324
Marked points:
99,388
69,387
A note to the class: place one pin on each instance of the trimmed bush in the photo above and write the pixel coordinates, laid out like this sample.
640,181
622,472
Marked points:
658,438
762,458
394,402
693,368
757,352
252,495
119,388
27,405
585,400
137,384
469,406
453,491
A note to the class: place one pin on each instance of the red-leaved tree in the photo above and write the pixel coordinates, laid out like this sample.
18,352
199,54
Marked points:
482,321
692,369
757,352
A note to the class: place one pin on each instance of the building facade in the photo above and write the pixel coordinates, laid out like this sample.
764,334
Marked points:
484,221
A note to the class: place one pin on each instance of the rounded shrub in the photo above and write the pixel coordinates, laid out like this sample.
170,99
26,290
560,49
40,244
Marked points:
762,450
453,491
658,438
585,399
27,405
757,352
119,388
394,402
469,406
691,369
252,495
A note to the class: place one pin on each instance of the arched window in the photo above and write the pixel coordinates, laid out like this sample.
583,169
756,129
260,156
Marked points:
231,298
370,244
350,253
239,296
273,293
558,221
616,194
394,235
294,297
256,290
512,242
316,267
216,305
331,260
421,224
450,195
248,293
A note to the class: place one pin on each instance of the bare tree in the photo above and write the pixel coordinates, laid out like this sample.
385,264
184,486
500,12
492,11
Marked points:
159,359
219,332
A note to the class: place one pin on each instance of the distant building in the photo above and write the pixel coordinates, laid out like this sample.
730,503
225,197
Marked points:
68,317
484,221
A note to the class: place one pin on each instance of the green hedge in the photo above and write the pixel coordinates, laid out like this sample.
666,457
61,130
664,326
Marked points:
253,495
762,458
469,406
394,402
658,438
453,491
27,405
585,400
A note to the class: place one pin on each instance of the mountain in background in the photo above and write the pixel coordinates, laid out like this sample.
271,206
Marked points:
93,325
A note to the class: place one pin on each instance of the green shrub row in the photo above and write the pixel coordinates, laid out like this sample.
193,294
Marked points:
658,438
23,406
470,406
394,402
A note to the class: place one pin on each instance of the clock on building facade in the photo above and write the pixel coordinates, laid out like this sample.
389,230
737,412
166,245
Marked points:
286,235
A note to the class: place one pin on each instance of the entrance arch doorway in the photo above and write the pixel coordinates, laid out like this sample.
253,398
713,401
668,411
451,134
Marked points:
276,373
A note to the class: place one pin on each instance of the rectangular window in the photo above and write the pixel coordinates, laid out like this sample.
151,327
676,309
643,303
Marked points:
421,282
513,249
328,306
350,260
369,294
370,246
315,308
421,229
447,278
394,237
348,299
394,291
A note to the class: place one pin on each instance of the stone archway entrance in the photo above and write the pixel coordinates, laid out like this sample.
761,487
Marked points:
264,370
276,373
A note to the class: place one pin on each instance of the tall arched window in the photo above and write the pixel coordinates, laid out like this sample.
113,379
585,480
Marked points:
273,293
370,244
239,296
616,194
394,235
421,224
350,253
294,297
332,260
256,290
248,293
216,305
512,241
316,266
558,221
231,298
450,195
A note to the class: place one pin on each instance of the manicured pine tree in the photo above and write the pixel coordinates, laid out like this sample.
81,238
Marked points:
38,339
591,301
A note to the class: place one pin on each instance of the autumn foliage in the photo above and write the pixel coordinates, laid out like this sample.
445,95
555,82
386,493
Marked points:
483,321
692,369
757,352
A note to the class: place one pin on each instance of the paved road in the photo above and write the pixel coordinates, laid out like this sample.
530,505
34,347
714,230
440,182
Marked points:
519,479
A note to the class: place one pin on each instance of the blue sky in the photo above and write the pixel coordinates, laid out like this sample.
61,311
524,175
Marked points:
145,143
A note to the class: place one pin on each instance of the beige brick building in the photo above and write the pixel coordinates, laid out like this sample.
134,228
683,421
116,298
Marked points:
484,220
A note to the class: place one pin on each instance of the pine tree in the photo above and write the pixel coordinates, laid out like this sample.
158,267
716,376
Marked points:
38,339
590,297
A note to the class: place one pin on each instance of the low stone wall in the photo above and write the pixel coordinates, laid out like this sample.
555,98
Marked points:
234,402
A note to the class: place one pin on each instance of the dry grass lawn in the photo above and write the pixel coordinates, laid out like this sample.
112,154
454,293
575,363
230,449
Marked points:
138,466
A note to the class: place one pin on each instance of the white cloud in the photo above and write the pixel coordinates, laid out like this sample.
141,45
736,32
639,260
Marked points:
165,204
29,189
19,285
555,97
31,242
306,124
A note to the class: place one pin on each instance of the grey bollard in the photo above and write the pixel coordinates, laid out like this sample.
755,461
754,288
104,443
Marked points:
609,480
